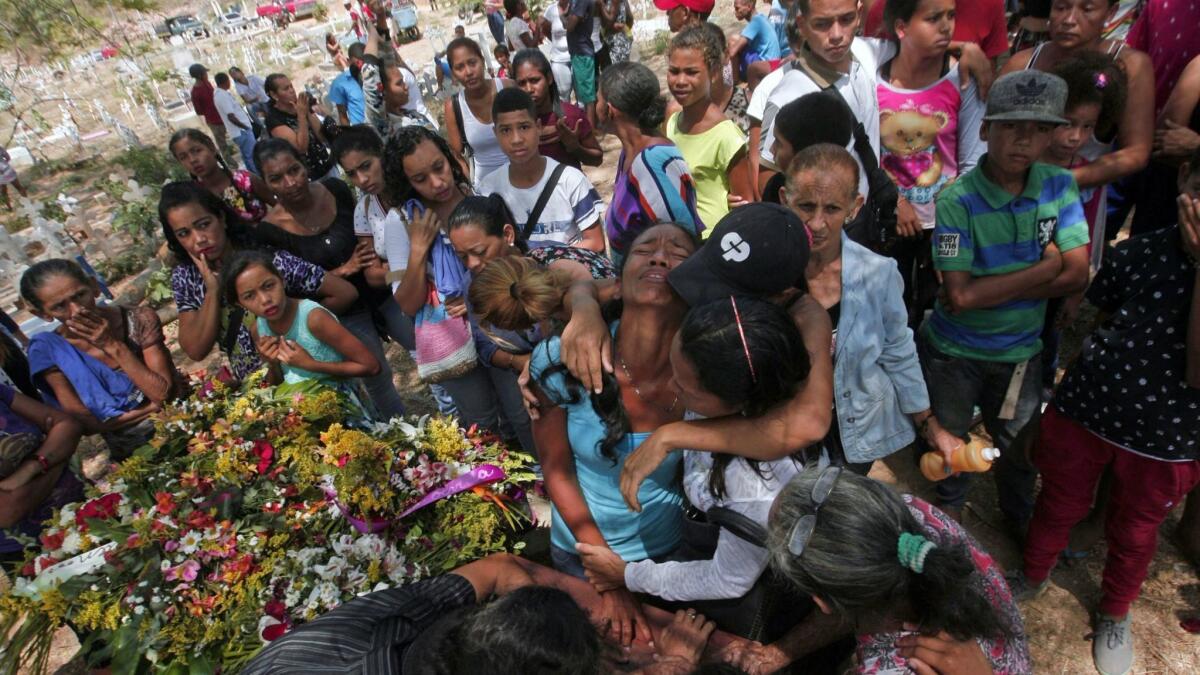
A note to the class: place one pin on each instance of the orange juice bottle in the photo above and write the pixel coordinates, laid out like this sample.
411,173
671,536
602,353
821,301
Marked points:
974,456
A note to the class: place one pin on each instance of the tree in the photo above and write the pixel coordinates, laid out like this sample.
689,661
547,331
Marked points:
46,27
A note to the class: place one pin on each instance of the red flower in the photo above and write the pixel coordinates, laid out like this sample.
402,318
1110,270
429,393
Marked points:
200,520
274,631
342,460
101,508
52,542
265,453
164,502
275,609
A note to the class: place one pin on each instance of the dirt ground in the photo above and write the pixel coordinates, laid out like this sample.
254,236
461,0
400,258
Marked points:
1057,622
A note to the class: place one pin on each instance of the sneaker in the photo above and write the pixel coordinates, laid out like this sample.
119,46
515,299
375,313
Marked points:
1022,589
1112,645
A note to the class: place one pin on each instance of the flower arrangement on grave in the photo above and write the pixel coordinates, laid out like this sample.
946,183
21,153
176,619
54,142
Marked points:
255,509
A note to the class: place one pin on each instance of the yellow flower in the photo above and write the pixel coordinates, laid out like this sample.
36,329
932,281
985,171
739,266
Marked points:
444,439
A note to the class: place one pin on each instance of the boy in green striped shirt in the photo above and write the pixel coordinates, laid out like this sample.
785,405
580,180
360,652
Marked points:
1009,234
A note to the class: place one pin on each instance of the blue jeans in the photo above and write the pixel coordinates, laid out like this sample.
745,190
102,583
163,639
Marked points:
245,142
956,386
380,388
496,26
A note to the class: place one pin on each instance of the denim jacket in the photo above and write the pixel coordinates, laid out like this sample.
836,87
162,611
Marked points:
877,381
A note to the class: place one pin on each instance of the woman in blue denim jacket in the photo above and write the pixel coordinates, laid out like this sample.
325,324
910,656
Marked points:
879,394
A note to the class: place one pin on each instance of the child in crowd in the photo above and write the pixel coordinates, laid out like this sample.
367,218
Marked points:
713,146
1126,407
570,208
1096,89
299,339
501,54
756,50
928,131
794,131
1009,235
567,135
928,124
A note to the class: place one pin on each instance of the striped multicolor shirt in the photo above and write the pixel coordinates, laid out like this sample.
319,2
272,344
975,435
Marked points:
657,189
985,230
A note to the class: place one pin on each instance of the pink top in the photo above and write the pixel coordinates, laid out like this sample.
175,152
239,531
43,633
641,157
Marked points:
928,137
1166,31
878,653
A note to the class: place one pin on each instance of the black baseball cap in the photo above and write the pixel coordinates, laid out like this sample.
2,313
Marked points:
760,249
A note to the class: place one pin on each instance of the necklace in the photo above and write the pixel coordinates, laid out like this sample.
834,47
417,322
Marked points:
637,390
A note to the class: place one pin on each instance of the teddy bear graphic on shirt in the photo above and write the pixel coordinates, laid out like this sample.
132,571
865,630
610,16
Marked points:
910,153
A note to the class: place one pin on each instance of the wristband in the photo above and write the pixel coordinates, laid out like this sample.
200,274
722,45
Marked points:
924,425
43,462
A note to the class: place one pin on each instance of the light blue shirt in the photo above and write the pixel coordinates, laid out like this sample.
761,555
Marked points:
762,36
778,19
346,91
877,380
633,536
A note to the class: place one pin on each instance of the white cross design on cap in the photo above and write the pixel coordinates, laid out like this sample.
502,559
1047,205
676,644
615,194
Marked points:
736,249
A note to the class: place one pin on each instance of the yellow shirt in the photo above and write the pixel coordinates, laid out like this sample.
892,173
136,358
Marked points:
708,156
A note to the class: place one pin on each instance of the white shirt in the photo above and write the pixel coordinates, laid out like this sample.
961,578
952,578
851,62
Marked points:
558,35
758,100
573,207
416,102
370,220
736,563
227,105
254,91
396,245
857,87
514,28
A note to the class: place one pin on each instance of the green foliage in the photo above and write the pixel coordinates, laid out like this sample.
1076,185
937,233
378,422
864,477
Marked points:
320,11
662,40
125,265
290,44
158,287
15,223
151,165
51,27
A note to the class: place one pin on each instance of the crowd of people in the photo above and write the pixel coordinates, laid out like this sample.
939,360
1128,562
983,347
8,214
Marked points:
846,231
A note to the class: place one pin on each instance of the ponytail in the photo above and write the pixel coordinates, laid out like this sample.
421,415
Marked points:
856,562
515,293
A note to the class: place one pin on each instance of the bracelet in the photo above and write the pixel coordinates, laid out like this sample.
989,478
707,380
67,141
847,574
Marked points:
43,462
924,425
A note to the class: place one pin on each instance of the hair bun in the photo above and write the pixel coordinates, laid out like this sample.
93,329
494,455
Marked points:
652,116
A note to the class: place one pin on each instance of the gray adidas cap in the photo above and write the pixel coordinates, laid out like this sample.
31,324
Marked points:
1027,96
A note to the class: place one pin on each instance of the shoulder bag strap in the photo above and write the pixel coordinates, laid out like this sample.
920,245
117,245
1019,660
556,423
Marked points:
741,526
231,331
547,190
462,130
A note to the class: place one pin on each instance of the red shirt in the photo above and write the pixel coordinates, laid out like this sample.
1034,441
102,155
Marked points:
574,115
978,21
1166,30
202,103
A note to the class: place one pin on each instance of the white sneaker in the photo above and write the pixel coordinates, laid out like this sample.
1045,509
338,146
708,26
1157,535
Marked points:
1112,645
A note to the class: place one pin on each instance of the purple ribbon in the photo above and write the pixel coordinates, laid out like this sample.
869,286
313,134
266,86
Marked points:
480,475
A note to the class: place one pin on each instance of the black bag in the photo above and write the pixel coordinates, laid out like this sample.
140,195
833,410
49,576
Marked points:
875,224
769,608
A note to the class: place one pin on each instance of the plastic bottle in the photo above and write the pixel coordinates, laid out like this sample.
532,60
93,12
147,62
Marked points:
973,457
